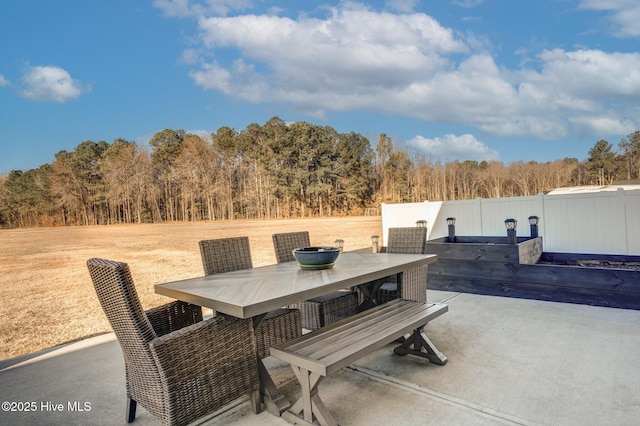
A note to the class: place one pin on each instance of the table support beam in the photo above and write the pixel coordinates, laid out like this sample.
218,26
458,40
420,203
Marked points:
369,291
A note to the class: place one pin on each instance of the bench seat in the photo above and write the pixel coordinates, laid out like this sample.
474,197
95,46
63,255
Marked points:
326,350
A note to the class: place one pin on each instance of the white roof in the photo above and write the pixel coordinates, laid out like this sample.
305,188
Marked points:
593,188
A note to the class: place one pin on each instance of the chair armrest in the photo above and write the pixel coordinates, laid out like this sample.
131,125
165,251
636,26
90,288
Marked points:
173,316
220,348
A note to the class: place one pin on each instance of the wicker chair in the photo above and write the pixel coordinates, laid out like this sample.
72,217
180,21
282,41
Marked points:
231,254
178,367
322,310
409,240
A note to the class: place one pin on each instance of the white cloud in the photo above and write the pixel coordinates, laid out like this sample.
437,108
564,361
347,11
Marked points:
414,68
404,6
240,81
174,8
313,61
603,125
3,81
587,88
451,147
468,4
593,73
182,8
50,83
190,57
203,134
625,15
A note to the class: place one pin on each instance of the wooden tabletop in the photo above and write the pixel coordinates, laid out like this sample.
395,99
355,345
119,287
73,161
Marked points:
250,292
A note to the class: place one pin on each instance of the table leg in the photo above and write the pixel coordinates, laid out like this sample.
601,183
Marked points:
419,344
369,291
274,401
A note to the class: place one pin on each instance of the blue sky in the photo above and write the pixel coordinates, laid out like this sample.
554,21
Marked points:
508,80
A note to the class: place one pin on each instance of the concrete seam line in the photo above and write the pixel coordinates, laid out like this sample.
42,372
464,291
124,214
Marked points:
453,296
447,399
63,349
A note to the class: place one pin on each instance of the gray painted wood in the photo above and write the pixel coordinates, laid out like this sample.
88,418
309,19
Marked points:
339,344
250,292
487,249
328,349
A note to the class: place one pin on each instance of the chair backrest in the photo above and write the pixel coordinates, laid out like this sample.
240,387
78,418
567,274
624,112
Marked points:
284,244
410,240
119,299
225,255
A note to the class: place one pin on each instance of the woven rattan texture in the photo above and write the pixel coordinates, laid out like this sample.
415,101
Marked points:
232,254
409,240
319,311
324,310
283,244
178,367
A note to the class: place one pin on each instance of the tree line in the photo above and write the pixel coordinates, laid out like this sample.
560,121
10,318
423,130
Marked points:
275,170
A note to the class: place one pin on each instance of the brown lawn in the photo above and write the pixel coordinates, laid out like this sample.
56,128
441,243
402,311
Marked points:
46,293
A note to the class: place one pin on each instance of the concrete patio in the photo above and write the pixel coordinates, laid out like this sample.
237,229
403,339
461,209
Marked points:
510,361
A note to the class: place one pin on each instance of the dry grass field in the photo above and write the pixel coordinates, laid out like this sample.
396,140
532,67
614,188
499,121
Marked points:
47,295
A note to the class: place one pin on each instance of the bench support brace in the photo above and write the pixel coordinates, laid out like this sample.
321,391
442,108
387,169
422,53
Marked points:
309,407
330,348
417,343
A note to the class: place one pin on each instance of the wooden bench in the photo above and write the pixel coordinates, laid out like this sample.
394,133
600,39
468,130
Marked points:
326,350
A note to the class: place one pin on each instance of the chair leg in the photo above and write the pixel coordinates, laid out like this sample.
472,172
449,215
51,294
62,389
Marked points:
256,401
131,410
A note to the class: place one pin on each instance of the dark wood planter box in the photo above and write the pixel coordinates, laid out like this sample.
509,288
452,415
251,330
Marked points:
487,249
484,265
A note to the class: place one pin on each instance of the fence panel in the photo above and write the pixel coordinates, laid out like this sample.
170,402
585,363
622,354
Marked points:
405,214
468,214
496,210
606,222
633,221
585,223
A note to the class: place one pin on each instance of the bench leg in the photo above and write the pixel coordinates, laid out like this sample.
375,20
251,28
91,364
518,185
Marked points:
422,346
309,407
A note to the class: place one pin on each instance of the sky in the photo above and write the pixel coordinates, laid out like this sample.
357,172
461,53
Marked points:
494,80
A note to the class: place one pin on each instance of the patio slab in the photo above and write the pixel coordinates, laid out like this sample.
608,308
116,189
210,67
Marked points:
510,361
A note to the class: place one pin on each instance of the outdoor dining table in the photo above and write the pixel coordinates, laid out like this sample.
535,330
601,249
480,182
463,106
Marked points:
251,293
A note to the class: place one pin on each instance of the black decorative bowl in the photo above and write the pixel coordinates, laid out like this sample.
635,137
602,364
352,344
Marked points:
316,257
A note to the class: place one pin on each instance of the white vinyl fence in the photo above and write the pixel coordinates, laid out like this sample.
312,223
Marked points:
606,222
